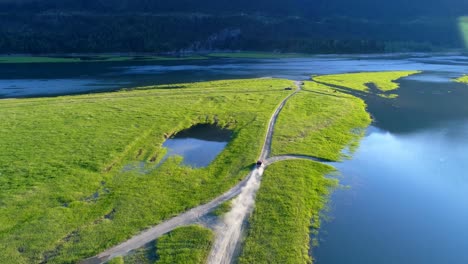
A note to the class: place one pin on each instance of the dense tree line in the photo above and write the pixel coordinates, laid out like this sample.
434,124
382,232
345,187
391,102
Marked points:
53,26
395,9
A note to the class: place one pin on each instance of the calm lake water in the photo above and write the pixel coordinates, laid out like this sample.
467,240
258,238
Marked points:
407,195
407,200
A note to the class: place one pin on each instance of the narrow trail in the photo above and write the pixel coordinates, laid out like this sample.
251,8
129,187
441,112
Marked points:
223,249
229,232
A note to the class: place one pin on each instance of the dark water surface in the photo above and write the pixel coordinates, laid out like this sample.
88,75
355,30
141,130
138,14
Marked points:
407,200
51,79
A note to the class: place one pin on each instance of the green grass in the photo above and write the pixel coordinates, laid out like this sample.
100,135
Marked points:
117,260
292,193
463,79
320,122
383,81
256,55
188,245
98,58
63,196
223,208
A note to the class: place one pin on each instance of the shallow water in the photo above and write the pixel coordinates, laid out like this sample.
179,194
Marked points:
51,79
199,145
407,200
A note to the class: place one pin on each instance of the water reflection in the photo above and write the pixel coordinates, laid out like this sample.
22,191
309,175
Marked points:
408,201
198,145
72,78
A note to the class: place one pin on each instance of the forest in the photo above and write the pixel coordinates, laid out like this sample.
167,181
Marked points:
181,26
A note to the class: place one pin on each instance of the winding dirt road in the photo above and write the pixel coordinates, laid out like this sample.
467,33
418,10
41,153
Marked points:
193,215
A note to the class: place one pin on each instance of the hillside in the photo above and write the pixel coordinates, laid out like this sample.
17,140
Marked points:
53,26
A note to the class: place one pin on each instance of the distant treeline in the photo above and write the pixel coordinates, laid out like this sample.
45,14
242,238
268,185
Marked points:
391,9
82,26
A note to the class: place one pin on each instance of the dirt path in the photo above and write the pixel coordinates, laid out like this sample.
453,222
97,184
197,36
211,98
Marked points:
266,150
193,215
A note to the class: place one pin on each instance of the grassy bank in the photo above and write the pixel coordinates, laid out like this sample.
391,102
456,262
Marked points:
188,245
383,82
86,58
463,79
63,194
320,122
292,193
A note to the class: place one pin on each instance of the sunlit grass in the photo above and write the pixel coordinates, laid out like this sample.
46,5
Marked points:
188,245
383,81
287,207
320,122
63,196
463,79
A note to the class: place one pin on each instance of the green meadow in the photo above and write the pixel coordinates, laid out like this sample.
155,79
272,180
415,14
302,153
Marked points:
64,196
188,245
320,122
291,195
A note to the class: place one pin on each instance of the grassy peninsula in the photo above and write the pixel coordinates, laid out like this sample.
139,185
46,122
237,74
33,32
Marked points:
62,161
292,194
320,122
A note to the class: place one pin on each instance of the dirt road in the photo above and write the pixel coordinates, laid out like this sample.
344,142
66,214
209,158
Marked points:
193,215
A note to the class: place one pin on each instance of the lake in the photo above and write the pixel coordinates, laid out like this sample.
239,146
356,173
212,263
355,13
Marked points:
406,195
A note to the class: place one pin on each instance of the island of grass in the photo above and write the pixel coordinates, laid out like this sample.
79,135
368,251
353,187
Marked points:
189,245
463,79
383,83
317,122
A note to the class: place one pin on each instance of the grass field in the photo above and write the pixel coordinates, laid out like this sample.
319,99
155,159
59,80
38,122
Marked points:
384,82
63,195
317,121
292,193
188,245
320,122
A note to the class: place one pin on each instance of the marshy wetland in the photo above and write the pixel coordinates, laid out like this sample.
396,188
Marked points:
392,128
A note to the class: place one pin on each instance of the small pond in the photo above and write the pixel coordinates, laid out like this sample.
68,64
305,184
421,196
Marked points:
198,145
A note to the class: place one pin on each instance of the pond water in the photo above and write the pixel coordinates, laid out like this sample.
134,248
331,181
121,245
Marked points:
407,200
198,145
